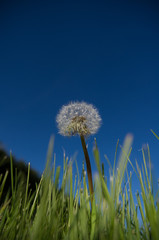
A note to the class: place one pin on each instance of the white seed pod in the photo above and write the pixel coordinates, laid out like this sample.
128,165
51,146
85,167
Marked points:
78,118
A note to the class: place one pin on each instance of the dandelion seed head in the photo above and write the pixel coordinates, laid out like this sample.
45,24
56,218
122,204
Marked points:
78,118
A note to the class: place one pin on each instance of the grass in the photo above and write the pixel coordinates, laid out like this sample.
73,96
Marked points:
66,213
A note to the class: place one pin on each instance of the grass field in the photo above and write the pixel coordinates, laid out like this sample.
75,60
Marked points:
66,213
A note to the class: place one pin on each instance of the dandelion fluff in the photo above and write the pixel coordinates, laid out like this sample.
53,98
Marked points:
78,118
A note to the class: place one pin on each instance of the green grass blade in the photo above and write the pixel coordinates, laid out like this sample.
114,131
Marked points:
27,186
11,170
154,134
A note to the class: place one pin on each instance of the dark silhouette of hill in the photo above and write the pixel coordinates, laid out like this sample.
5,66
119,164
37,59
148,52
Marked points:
20,172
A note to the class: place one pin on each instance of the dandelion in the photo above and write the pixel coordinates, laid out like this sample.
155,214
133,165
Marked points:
80,118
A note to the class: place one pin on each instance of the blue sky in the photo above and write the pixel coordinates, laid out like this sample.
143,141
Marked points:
102,52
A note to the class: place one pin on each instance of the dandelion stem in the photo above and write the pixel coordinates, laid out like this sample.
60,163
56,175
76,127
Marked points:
88,164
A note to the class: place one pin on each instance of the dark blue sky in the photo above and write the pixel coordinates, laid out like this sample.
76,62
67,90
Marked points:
103,52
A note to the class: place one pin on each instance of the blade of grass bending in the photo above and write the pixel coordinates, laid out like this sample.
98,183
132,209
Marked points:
71,195
49,157
127,154
128,215
27,186
77,170
3,183
107,159
98,192
131,163
85,191
3,207
143,193
103,170
120,174
64,161
49,200
44,198
53,168
144,177
149,157
76,200
123,211
143,154
93,219
11,171
57,176
5,211
154,134
35,199
132,206
1,175
71,204
74,187
115,157
142,216
147,198
104,187
123,159
86,195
